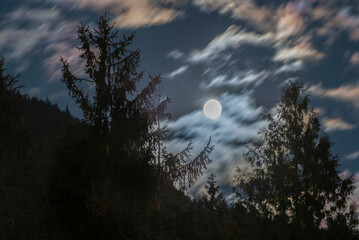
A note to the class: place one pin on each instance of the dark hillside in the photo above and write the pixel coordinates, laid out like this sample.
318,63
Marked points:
45,118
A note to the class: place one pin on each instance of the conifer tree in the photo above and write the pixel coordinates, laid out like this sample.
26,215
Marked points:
9,99
295,177
212,199
112,149
123,153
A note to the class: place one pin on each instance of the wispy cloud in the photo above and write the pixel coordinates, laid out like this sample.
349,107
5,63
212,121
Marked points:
352,156
348,93
232,38
354,59
302,50
143,13
134,13
245,10
175,54
333,124
289,23
35,15
41,31
346,21
67,51
241,78
178,71
291,67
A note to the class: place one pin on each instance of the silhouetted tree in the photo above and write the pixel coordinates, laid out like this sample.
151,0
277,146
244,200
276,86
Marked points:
175,168
294,177
215,211
10,99
212,199
115,150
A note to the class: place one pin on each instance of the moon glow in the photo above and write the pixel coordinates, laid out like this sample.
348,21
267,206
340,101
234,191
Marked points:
212,109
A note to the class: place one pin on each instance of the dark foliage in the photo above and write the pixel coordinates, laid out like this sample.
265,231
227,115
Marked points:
295,179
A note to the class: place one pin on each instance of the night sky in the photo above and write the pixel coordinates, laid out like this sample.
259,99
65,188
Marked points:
240,52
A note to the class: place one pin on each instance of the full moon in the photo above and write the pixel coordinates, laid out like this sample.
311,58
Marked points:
212,109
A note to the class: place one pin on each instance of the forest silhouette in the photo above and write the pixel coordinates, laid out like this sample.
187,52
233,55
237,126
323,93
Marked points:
110,175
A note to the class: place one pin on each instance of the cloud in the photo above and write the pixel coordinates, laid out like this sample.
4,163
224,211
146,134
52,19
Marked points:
354,59
178,71
346,21
236,127
302,50
241,78
319,111
239,9
175,54
345,173
292,18
232,38
291,67
334,124
16,43
30,32
133,13
34,15
290,22
352,156
66,50
347,93
143,13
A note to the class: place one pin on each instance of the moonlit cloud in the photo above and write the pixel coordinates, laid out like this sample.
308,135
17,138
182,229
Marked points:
175,54
302,50
41,31
231,132
17,43
133,13
354,59
346,21
35,15
333,124
242,78
143,13
275,42
232,38
67,51
178,71
291,67
237,9
352,156
289,23
347,93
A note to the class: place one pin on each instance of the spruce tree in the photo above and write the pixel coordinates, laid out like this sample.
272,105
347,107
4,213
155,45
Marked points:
111,151
212,199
